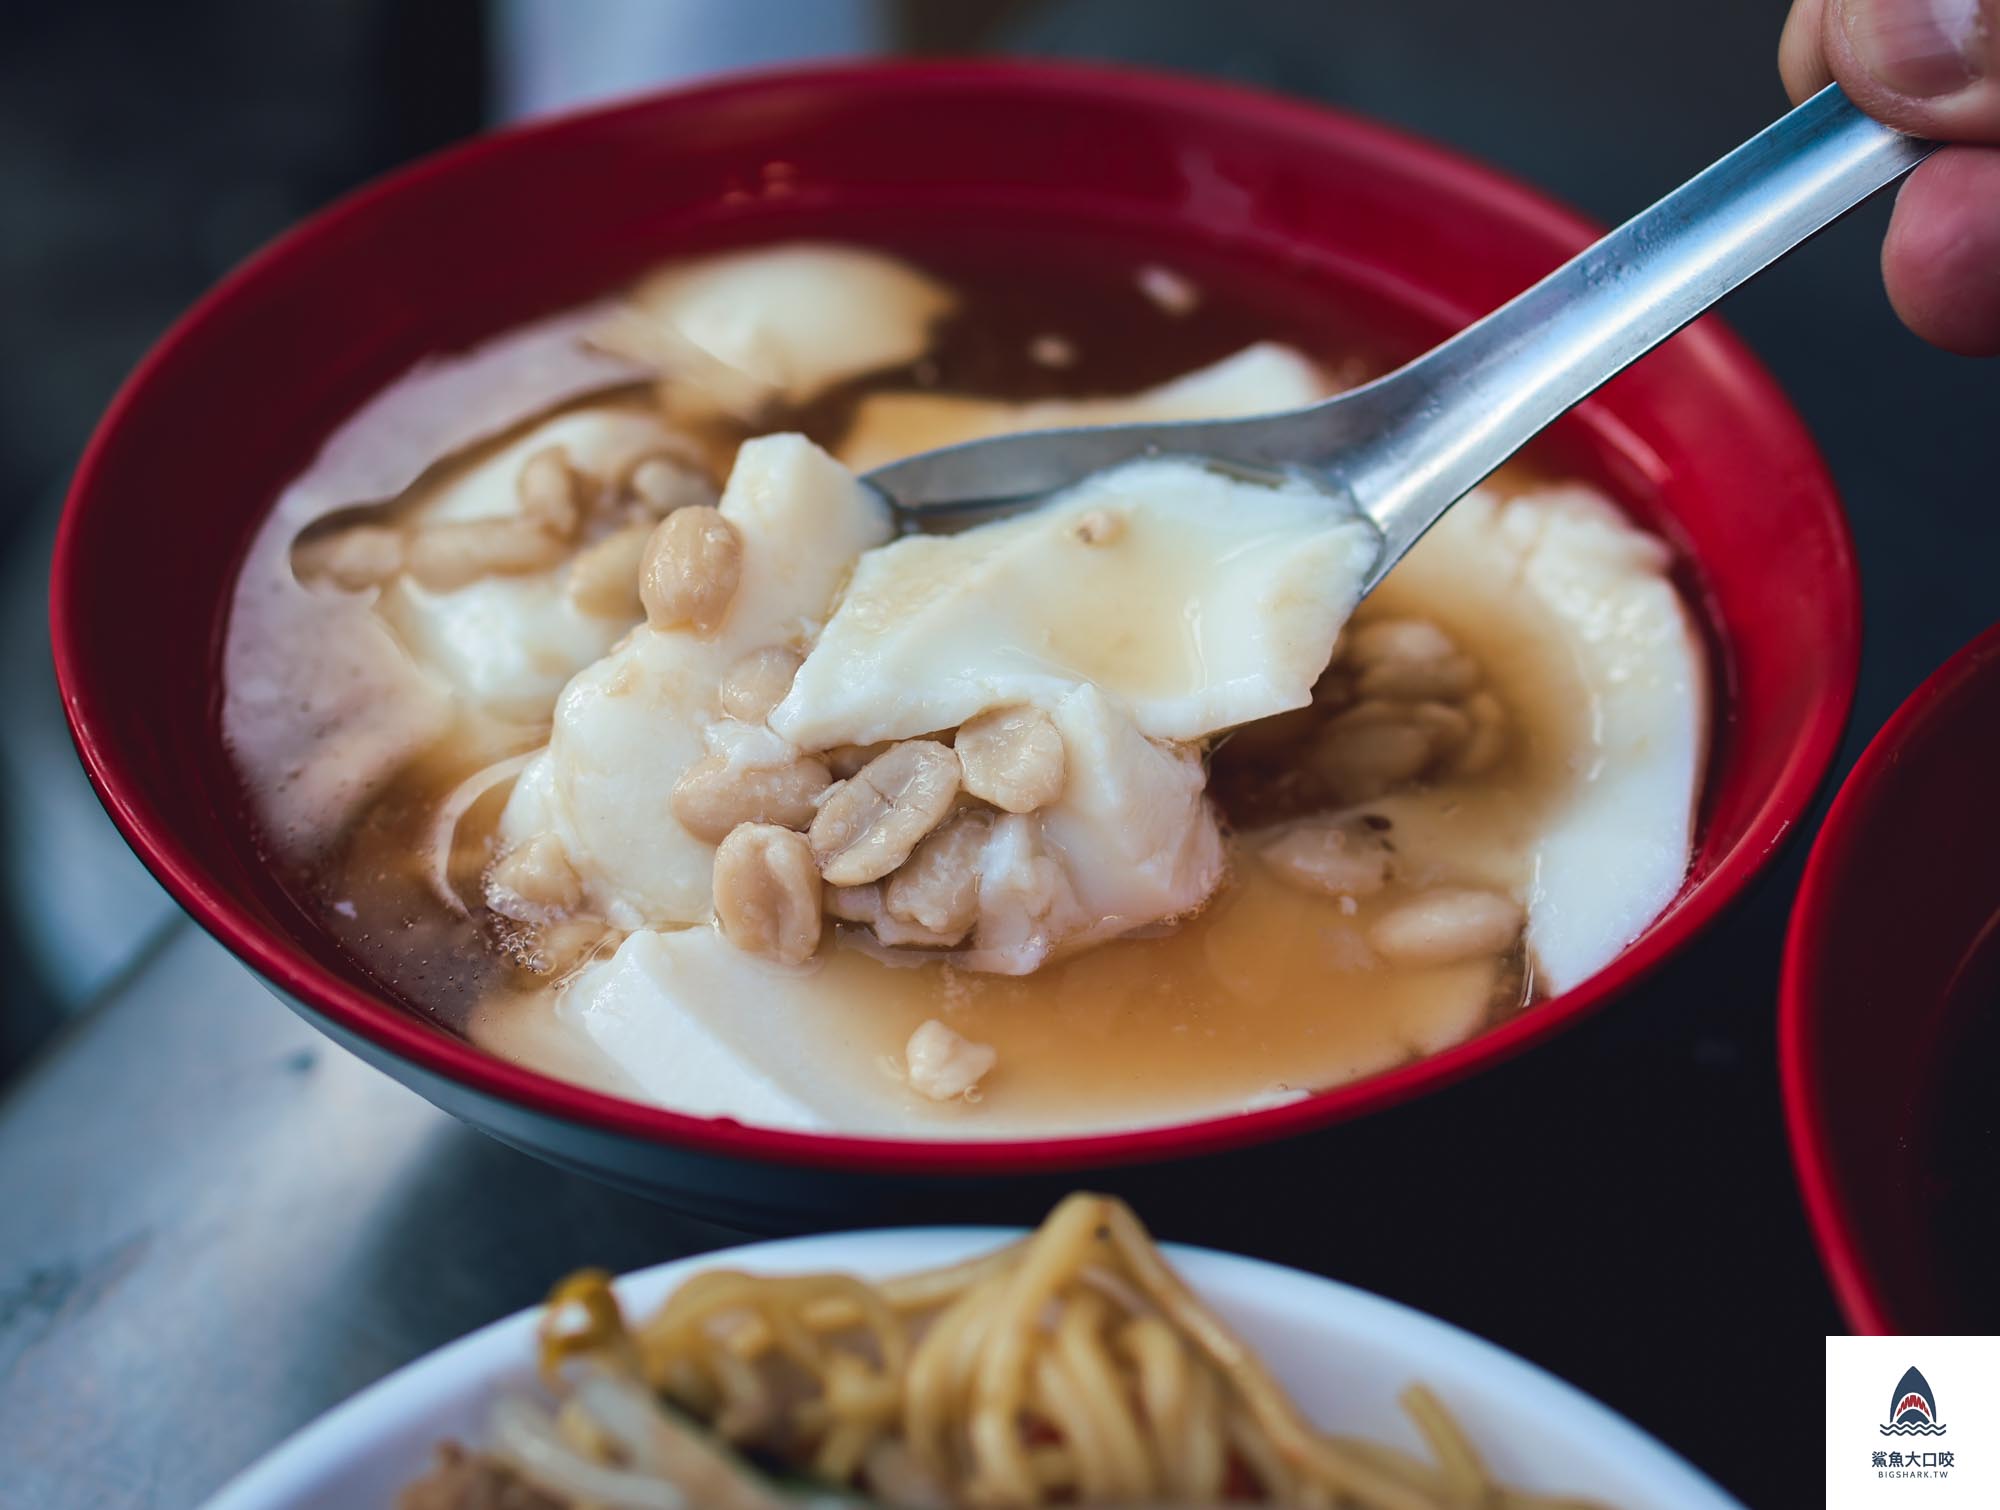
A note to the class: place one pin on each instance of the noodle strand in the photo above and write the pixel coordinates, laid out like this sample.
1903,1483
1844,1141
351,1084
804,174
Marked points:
1073,1366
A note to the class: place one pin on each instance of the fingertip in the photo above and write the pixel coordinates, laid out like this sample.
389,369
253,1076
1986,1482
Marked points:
1910,74
1801,57
1941,257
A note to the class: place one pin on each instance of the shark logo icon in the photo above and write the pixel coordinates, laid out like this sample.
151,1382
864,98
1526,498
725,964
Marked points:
1913,1408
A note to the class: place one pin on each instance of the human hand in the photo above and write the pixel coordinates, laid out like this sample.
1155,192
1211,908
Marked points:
1932,68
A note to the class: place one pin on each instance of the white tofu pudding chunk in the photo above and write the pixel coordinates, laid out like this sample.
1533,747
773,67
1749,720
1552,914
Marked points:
781,325
1193,600
1259,379
593,707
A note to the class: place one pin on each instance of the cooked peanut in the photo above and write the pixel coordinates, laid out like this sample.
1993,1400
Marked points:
1013,758
868,824
1487,741
694,562
1369,642
452,553
944,1064
1368,750
1173,292
659,484
1448,925
555,948
363,555
714,795
1410,660
1447,727
1453,677
863,904
767,893
551,492
1051,350
1099,527
604,577
854,904
757,683
845,760
1333,857
937,888
533,882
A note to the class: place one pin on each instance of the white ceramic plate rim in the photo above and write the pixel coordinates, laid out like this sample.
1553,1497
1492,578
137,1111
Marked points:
357,1453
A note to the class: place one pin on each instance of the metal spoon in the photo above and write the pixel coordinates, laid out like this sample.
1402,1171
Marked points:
1405,447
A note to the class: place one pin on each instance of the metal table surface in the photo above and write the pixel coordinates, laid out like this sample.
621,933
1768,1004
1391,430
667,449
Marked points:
216,1225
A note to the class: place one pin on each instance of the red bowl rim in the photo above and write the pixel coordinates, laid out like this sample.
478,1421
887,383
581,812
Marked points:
406,1037
1836,1232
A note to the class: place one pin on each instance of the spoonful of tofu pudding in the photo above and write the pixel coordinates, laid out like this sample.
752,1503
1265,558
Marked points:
593,693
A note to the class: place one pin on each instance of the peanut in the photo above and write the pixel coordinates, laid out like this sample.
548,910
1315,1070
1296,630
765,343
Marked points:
551,492
1333,857
845,760
868,824
1099,527
694,563
1409,660
453,553
659,484
1013,758
362,555
1368,750
1448,925
943,1064
757,683
767,893
534,882
863,904
937,888
1487,741
604,577
714,796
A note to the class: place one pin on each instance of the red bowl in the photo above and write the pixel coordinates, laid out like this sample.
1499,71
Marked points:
1889,1014
1331,212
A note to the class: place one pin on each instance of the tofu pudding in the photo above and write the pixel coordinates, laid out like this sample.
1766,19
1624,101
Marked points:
586,697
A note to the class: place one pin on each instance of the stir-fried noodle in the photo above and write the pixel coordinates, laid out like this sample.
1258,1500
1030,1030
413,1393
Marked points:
1071,1367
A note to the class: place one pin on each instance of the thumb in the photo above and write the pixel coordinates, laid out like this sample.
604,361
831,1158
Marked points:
1931,67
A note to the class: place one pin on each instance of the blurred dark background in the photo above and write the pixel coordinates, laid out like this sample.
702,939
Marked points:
1661,1261
144,150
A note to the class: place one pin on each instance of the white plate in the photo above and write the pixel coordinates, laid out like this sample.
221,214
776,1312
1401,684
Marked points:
1344,1354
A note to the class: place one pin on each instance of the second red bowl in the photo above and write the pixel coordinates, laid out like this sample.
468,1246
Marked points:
1890,1023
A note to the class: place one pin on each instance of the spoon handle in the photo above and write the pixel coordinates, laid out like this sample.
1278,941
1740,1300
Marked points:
1449,418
